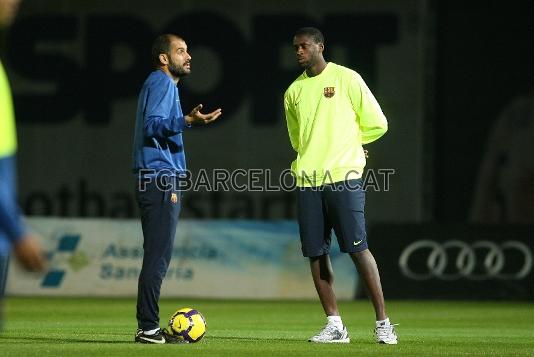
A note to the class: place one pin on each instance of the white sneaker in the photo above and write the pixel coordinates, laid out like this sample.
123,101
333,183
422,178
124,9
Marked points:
331,334
386,334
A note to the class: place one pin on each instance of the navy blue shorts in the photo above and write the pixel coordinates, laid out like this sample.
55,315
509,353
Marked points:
339,206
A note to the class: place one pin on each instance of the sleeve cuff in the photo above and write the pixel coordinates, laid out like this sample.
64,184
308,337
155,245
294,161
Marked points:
18,231
183,124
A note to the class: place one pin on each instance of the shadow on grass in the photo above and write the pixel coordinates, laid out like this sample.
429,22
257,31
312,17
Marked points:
18,339
256,339
34,339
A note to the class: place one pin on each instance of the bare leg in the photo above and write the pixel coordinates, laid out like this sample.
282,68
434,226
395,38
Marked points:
366,265
323,278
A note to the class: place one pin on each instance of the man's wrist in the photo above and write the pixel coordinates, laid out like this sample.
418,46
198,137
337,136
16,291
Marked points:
188,121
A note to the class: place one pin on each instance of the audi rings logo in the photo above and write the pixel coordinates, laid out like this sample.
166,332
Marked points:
454,259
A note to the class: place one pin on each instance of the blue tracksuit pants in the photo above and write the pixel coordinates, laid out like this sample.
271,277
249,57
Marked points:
159,218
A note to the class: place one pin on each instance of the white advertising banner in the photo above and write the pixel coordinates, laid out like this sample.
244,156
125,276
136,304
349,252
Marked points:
211,259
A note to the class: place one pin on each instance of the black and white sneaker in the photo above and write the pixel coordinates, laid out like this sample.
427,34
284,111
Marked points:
160,337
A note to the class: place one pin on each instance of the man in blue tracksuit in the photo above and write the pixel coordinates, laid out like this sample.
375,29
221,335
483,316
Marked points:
158,162
13,233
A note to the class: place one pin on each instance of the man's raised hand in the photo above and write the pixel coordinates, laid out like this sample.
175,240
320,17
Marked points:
197,117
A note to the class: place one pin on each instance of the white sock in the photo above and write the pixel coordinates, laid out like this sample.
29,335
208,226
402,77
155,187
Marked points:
336,321
383,322
151,332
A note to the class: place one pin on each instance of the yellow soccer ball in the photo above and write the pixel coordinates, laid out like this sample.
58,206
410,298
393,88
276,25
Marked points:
188,324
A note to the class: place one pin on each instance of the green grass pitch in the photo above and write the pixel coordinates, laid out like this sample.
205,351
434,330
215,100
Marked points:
105,327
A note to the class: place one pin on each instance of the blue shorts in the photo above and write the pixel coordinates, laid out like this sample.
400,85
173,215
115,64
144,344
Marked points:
339,206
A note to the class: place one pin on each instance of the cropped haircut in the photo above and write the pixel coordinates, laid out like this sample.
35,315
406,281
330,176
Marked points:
312,32
161,44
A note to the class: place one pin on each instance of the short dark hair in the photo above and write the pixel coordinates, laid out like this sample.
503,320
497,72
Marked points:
161,44
312,32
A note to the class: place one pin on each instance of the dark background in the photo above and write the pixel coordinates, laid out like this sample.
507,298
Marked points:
484,57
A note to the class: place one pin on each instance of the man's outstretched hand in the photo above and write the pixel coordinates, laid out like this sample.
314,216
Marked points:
197,117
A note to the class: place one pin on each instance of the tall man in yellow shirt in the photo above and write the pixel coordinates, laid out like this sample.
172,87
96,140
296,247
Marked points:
330,113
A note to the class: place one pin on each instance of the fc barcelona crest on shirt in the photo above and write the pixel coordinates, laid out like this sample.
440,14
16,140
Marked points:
329,92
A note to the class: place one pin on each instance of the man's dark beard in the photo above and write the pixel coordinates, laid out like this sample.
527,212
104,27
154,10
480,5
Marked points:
176,71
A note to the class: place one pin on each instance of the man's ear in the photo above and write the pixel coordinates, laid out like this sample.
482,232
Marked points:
321,46
163,58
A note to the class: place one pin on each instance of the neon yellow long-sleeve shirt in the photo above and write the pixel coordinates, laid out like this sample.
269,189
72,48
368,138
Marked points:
8,136
329,117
